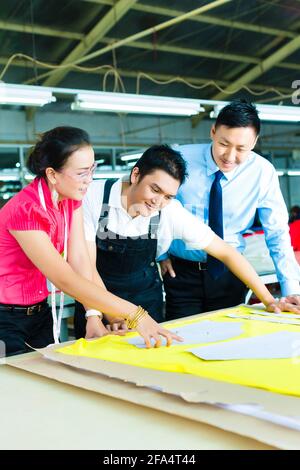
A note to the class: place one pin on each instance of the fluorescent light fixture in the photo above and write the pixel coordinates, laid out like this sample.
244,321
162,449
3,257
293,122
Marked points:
141,104
293,173
14,176
279,113
268,112
25,95
9,177
280,173
29,177
131,156
112,174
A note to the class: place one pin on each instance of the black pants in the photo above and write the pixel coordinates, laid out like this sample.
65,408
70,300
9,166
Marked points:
145,291
17,328
194,291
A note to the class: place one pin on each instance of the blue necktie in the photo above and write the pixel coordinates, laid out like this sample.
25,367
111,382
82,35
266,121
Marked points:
215,221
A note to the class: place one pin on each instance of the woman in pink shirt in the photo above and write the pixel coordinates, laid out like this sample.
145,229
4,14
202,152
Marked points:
36,226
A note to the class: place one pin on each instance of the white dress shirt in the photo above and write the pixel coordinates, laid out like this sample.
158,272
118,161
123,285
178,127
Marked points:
175,221
252,185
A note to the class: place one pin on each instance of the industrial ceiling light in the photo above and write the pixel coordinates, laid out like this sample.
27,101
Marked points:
140,104
25,95
109,174
279,113
131,156
268,112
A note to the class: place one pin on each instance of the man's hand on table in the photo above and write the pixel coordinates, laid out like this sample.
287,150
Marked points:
292,299
96,329
290,303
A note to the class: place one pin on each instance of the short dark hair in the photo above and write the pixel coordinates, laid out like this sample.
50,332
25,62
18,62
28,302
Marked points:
239,113
162,157
54,147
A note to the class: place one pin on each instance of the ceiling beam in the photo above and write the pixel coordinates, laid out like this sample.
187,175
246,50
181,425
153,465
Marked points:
46,31
209,19
91,39
255,72
187,51
148,31
275,43
210,54
263,67
42,30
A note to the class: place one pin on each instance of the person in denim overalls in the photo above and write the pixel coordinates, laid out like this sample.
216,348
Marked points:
127,264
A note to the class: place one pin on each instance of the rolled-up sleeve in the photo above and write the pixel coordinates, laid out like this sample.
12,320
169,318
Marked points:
179,224
274,219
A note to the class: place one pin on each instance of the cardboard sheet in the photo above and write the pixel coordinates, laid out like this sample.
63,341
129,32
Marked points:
179,394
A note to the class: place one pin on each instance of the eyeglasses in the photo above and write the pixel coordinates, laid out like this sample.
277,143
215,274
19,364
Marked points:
84,174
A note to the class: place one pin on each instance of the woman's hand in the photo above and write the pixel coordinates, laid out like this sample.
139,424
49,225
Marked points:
96,329
148,328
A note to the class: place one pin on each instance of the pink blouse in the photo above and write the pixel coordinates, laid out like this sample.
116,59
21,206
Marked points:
21,283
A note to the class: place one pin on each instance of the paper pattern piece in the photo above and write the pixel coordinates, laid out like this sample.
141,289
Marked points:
277,375
275,315
265,319
205,331
280,345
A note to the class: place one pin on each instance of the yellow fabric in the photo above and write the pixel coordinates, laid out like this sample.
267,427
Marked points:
277,375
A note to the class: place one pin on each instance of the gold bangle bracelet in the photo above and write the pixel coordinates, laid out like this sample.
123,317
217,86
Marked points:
132,323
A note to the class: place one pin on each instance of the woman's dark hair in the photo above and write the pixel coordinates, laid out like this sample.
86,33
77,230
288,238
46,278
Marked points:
239,113
54,148
162,157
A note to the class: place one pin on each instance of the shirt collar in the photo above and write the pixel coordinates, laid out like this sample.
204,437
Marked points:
115,196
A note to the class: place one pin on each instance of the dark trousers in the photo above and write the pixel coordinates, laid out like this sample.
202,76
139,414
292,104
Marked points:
17,329
194,291
145,290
